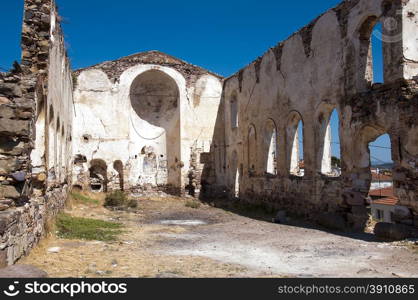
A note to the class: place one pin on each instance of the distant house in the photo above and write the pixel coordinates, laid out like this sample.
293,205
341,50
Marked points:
380,181
384,204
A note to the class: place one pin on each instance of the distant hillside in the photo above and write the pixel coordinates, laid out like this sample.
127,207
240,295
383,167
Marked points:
380,165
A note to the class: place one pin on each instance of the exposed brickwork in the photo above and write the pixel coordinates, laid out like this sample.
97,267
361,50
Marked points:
23,213
114,69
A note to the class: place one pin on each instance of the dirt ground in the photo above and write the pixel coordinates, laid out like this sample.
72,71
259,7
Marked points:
164,238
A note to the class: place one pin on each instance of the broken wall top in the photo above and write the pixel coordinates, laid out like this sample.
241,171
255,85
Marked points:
115,68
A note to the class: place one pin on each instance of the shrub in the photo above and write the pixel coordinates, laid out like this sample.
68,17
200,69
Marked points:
116,199
69,227
192,204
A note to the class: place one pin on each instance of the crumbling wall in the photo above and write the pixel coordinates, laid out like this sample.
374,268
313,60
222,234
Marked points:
27,198
324,66
147,111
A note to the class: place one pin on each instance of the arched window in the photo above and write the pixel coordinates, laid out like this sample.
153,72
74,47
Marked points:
295,144
371,50
377,54
252,150
38,153
376,160
234,111
329,156
58,149
63,154
270,147
235,174
51,141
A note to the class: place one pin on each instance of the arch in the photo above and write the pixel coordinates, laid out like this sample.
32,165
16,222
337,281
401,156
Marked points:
270,149
252,150
118,166
155,98
235,174
51,142
57,149
234,111
328,154
368,134
63,154
375,167
371,50
98,175
294,133
38,154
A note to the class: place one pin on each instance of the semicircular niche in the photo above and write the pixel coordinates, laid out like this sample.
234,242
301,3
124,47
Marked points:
154,97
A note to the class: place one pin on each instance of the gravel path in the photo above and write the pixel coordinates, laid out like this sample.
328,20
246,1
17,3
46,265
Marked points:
275,249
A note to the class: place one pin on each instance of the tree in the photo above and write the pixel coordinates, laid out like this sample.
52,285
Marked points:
336,162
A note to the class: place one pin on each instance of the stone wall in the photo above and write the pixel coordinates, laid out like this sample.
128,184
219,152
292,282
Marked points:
145,114
28,198
325,66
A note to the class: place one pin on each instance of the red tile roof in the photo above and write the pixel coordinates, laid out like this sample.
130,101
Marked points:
392,201
381,177
386,192
386,196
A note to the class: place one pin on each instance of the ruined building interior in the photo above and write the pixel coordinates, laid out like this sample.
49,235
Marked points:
150,121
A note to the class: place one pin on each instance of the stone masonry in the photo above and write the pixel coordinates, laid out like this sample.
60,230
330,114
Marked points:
152,121
27,198
325,66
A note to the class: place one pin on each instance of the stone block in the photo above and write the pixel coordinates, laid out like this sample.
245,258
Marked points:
6,112
8,166
354,198
22,271
9,191
10,89
14,127
4,100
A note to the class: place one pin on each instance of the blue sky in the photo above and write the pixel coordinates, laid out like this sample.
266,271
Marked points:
222,36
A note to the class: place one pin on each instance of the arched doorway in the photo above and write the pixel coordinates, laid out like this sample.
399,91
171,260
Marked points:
98,175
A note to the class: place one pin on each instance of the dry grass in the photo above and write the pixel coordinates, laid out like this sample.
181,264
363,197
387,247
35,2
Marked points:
135,254
192,204
85,198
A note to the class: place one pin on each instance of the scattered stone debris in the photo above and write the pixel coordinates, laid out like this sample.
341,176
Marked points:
54,249
182,222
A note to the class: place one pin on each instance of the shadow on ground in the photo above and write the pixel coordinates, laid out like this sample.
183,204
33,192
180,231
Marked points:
261,213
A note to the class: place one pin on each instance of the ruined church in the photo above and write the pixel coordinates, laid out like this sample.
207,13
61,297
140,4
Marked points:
150,121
